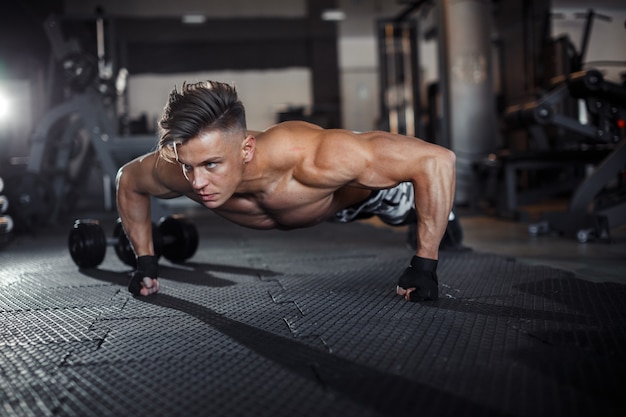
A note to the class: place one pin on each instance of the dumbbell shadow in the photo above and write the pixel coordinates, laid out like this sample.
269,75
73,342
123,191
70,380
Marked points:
199,273
188,273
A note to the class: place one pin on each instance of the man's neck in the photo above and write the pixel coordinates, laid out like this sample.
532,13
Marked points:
254,180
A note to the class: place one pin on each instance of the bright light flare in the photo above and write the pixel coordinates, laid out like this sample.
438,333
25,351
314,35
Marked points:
4,106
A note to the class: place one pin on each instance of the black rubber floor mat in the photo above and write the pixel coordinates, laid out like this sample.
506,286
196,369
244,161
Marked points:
305,323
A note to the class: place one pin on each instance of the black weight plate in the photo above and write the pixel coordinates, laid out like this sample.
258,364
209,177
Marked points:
185,238
87,243
124,250
122,247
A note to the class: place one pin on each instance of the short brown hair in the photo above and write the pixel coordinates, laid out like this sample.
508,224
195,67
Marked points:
197,108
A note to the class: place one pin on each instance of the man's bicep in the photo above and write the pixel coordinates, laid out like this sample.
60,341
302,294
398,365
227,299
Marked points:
397,158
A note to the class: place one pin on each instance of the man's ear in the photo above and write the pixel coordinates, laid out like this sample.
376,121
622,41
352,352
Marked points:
247,148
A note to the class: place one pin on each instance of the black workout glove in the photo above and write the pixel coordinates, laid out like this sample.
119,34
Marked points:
421,275
147,266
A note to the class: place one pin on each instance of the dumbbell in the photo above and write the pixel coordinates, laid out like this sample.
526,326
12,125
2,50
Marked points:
6,222
4,204
6,225
175,238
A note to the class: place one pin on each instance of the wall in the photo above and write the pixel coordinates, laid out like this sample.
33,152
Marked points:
358,57
263,92
358,61
606,40
267,91
230,8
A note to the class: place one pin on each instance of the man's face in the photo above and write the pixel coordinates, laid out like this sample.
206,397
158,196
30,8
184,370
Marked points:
213,163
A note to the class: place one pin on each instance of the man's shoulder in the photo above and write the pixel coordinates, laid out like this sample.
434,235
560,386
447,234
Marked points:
308,133
291,137
292,128
168,174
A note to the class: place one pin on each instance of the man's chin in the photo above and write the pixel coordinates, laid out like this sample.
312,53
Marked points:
213,204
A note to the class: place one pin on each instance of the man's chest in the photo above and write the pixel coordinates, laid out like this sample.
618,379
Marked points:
282,207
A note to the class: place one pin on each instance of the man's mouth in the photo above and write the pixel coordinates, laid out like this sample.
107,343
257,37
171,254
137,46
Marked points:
207,197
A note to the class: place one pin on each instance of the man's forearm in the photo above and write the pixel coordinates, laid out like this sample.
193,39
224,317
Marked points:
134,211
434,196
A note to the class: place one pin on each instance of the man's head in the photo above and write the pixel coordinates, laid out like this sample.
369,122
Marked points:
200,108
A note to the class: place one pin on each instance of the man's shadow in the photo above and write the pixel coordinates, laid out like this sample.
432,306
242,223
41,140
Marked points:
388,394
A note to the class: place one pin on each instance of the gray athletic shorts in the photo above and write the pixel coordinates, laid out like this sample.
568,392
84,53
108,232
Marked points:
393,206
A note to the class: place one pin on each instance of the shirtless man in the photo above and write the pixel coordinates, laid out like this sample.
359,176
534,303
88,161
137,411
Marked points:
291,175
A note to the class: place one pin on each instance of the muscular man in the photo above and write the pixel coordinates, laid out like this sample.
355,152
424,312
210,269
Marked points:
291,175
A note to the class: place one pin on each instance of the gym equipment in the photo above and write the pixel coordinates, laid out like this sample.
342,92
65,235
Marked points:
597,206
76,135
6,229
123,248
598,203
6,221
175,238
399,76
400,98
6,225
464,117
87,243
4,204
565,157
180,238
566,139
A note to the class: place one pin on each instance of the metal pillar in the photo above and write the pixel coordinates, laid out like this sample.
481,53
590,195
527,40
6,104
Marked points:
469,124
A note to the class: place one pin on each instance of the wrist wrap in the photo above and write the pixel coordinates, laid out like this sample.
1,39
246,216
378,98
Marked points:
147,266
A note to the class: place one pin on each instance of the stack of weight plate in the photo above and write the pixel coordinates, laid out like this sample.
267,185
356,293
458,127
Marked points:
6,222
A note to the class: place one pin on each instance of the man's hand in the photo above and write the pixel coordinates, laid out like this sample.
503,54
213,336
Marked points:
419,281
144,280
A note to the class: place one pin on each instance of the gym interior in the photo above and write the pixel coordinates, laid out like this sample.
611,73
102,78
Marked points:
530,320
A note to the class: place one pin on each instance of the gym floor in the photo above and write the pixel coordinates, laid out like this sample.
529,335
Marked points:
306,323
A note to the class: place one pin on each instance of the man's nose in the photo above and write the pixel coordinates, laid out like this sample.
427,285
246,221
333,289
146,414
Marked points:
199,180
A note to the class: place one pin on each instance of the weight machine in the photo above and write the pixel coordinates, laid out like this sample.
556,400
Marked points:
566,153
75,135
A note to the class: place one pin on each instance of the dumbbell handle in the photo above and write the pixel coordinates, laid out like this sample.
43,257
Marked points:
167,239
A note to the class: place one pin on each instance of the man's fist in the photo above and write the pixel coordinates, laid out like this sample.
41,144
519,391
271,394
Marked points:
144,280
419,281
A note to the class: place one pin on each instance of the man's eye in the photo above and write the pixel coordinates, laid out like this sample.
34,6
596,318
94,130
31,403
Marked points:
186,167
211,165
